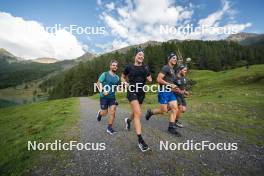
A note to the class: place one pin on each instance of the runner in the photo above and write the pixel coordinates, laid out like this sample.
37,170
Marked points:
167,98
133,75
107,95
181,93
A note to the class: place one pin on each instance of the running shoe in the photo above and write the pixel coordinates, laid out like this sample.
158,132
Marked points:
143,146
127,122
148,114
98,116
111,131
179,124
174,131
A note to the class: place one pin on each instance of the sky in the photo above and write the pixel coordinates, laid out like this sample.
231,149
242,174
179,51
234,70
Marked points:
66,29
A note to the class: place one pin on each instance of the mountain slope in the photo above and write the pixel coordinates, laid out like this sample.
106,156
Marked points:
85,57
8,57
15,70
143,45
247,38
45,60
4,52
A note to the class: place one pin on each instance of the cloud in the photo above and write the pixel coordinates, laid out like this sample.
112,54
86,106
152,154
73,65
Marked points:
110,6
214,18
139,21
29,40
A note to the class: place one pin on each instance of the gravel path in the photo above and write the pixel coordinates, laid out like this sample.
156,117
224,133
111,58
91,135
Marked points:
122,156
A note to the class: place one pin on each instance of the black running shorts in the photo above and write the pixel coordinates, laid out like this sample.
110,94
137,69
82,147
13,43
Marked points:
140,96
181,100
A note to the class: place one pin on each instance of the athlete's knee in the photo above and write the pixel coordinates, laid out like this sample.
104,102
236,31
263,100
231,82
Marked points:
174,108
112,113
104,112
137,113
163,109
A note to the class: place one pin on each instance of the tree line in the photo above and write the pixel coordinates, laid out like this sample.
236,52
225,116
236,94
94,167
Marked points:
209,55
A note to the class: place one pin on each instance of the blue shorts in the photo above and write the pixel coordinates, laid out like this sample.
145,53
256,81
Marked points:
105,103
166,97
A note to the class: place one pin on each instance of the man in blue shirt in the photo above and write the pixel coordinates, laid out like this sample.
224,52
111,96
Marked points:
107,83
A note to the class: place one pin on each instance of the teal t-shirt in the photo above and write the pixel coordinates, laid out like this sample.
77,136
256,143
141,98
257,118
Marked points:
108,80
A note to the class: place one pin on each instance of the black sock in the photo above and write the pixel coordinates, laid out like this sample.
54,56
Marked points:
109,126
140,138
171,124
176,121
129,120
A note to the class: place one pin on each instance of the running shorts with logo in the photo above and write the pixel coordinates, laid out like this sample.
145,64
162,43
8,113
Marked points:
166,97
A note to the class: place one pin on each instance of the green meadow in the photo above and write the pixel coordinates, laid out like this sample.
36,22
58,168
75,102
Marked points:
41,122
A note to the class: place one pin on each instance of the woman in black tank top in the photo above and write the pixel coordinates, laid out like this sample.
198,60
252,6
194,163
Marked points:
133,74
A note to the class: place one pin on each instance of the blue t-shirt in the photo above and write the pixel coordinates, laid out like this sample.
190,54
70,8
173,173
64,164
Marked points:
108,80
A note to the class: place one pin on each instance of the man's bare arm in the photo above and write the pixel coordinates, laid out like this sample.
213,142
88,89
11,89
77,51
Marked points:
149,78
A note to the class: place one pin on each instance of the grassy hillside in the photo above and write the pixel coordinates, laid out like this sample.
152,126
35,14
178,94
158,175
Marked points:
43,122
230,101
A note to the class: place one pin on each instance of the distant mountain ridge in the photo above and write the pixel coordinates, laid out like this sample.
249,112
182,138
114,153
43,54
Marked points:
4,52
15,70
45,60
242,38
85,57
8,57
143,45
247,38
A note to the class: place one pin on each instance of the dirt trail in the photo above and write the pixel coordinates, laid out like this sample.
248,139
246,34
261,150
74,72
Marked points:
122,156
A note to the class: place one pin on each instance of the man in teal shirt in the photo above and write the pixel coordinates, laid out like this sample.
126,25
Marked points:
107,82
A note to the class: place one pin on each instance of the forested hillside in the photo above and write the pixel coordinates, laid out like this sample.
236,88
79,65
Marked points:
19,72
210,55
